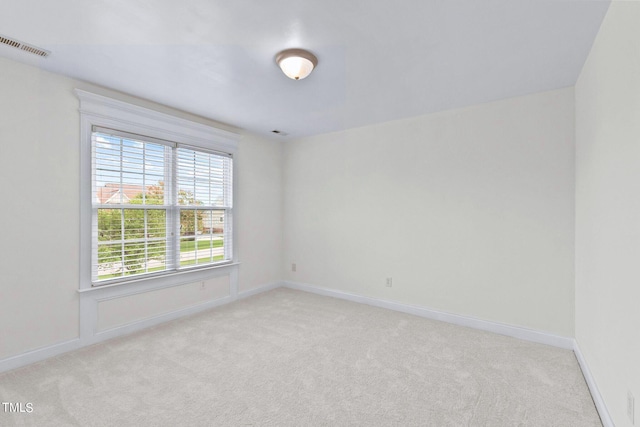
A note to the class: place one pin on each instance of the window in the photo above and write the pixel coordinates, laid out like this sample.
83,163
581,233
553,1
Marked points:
157,206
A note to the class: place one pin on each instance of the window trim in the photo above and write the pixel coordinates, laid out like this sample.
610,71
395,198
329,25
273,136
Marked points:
100,111
177,160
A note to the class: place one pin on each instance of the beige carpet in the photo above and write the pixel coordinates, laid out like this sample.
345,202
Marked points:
293,358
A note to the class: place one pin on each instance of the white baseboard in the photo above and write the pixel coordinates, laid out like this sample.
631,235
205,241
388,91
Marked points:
499,328
259,289
44,353
156,320
485,325
39,354
57,349
593,387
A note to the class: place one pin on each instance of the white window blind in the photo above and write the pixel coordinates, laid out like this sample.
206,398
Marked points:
204,198
157,206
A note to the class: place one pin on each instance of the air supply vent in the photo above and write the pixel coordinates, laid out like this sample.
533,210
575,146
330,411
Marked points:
24,46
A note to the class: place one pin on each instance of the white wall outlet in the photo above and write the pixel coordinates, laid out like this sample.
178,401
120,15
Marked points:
630,406
294,267
389,282
202,286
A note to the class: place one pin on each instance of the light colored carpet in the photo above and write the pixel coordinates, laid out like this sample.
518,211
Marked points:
292,358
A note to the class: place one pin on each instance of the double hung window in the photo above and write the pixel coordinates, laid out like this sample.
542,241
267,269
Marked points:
157,206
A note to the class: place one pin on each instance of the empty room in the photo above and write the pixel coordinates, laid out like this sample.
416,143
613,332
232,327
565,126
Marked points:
318,213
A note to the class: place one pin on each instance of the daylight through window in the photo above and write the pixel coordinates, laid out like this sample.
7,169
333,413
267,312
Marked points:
158,206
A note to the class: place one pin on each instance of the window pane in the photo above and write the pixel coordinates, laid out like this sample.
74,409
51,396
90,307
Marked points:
157,260
190,223
109,261
143,248
204,179
127,171
134,226
206,244
133,258
109,224
156,223
137,184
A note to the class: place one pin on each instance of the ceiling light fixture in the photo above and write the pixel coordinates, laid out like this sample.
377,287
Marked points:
296,63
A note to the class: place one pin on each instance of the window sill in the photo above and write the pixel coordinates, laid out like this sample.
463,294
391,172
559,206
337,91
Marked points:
164,276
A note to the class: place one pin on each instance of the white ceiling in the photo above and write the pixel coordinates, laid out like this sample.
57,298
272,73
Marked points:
378,60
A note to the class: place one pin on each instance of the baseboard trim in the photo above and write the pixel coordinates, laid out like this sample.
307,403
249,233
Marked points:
44,353
259,289
39,354
141,324
470,322
593,387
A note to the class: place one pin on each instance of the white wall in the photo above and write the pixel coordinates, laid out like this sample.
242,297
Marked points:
39,248
470,211
608,209
131,308
259,213
39,171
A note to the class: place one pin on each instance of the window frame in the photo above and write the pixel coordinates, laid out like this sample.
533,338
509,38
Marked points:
103,112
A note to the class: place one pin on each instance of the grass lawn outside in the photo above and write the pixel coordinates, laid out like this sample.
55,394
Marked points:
185,246
190,245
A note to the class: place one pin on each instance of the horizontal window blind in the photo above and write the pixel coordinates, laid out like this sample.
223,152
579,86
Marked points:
204,199
157,206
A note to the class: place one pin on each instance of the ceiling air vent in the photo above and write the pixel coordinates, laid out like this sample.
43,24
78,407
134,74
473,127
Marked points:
23,46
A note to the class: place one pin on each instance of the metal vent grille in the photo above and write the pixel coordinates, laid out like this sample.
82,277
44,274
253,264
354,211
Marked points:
24,46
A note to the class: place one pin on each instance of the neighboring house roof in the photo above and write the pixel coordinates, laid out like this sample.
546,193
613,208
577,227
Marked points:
115,193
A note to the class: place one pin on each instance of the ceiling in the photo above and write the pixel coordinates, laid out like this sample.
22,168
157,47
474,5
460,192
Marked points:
378,60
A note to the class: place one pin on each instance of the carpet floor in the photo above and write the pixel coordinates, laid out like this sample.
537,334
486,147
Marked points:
291,358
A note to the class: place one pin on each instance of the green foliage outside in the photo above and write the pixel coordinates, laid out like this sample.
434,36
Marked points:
188,218
110,228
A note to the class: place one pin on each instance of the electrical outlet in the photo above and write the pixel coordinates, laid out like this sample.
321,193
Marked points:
202,286
630,406
294,267
389,282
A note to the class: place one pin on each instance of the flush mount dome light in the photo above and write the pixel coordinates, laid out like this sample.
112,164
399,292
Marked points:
296,63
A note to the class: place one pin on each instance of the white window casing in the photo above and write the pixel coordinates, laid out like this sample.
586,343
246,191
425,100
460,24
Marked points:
147,173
